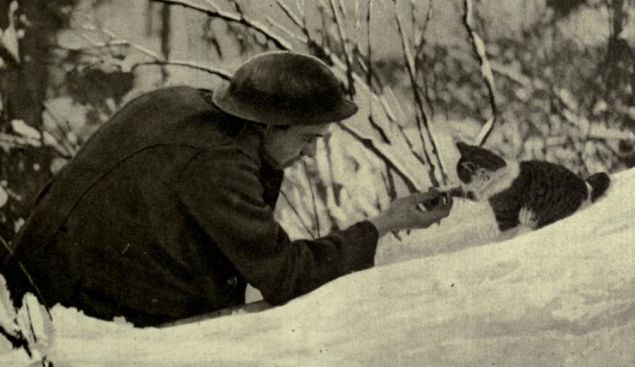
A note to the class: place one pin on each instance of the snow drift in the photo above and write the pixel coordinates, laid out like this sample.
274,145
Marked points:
560,296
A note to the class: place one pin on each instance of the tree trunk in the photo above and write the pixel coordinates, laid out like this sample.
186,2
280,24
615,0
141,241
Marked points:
23,87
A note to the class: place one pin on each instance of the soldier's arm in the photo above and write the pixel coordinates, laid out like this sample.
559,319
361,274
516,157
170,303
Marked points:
222,192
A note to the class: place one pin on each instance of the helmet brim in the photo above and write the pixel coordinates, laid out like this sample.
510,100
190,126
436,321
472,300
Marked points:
273,115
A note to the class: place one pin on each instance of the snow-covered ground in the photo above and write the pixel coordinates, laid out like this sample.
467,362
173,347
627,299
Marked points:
560,296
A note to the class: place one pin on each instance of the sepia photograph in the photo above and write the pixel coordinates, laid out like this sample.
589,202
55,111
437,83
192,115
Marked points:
438,183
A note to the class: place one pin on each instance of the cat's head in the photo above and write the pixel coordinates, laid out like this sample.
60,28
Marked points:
478,169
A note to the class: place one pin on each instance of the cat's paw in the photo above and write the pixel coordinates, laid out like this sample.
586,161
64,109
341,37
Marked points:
527,219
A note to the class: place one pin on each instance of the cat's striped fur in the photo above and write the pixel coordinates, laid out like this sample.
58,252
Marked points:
528,193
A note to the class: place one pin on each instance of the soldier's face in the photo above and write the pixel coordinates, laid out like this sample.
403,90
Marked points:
286,146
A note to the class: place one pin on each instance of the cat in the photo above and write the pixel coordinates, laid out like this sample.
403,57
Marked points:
530,194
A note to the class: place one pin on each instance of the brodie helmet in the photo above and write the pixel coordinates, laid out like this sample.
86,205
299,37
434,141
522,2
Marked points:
284,88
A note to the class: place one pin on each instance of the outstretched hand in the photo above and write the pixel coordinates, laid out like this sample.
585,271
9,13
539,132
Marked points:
419,210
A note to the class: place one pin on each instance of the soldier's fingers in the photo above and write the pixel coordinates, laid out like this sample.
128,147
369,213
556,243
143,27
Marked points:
424,196
442,210
448,201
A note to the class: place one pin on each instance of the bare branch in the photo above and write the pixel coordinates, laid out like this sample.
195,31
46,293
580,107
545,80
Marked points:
369,74
343,8
297,214
344,41
157,59
369,56
212,4
413,18
63,126
290,14
339,65
511,75
486,70
358,20
28,276
422,118
300,5
233,18
395,121
115,40
286,31
420,40
188,64
384,156
315,212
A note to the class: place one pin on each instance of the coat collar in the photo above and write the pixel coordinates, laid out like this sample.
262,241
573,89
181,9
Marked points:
250,140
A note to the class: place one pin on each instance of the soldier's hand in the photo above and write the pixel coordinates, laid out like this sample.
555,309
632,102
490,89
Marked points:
419,210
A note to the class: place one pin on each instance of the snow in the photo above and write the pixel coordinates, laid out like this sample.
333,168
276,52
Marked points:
446,296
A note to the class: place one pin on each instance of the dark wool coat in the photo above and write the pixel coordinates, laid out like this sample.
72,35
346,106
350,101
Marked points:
166,213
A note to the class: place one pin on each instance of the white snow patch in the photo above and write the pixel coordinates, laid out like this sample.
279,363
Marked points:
24,130
4,197
560,296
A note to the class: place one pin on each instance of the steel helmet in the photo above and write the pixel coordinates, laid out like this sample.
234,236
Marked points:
284,88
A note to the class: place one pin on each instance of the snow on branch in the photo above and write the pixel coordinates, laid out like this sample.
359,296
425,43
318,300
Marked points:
422,118
27,136
486,70
340,66
294,18
344,42
238,18
115,40
384,155
188,64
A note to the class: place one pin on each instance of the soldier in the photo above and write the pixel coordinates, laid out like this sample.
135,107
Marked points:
167,211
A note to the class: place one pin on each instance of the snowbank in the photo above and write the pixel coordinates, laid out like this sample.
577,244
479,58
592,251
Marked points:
561,296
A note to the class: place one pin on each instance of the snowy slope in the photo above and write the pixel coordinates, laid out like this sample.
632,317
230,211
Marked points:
561,296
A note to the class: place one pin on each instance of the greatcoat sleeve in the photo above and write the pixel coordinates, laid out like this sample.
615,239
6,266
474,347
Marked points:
222,191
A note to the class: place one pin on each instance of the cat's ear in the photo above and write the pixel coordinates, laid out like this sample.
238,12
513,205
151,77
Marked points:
464,149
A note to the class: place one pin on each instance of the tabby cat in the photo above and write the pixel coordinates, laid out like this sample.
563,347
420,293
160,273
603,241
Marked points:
528,193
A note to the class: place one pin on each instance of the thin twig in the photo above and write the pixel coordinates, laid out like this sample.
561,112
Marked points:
413,19
290,14
306,227
344,41
394,120
28,276
295,19
420,40
64,129
212,4
300,5
343,9
486,70
369,56
233,18
337,63
389,181
17,341
358,21
190,65
379,152
296,36
421,117
315,212
27,141
114,39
